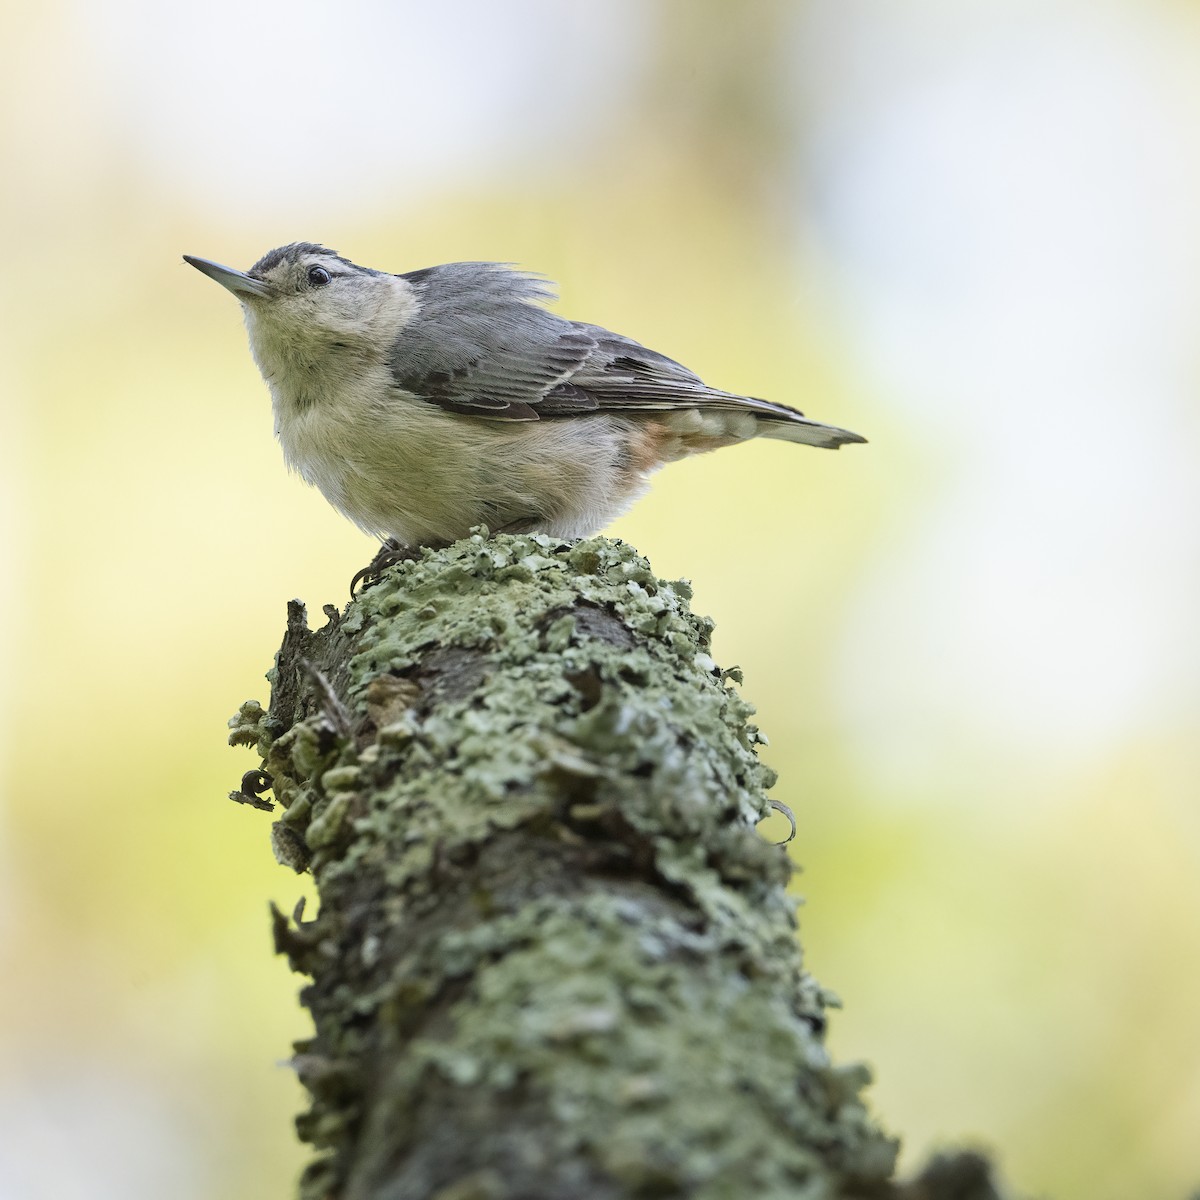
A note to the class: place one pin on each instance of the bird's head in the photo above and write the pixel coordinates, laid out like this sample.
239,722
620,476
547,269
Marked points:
303,295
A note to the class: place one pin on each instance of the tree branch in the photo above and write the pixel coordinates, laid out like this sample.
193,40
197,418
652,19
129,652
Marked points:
553,957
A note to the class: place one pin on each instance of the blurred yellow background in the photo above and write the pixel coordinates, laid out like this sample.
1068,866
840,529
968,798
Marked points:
969,231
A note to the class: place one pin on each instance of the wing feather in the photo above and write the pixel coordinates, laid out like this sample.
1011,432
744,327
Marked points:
482,345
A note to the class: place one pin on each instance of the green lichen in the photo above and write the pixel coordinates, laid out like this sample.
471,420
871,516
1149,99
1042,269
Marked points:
551,943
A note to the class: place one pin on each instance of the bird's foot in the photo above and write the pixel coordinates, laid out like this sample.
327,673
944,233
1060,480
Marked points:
390,553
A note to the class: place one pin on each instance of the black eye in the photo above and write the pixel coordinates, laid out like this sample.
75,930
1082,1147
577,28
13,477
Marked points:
318,276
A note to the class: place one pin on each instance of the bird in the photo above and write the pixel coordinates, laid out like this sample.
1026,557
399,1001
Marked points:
427,403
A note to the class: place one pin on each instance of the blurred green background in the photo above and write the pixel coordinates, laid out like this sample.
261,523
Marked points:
968,231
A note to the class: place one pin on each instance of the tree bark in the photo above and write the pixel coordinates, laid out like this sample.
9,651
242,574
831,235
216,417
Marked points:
553,958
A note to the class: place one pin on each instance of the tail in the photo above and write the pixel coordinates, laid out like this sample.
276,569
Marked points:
795,428
779,421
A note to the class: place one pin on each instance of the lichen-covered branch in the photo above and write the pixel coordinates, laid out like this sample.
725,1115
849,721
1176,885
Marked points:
554,958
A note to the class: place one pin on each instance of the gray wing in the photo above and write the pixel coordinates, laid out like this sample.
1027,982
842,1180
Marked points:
482,345
623,375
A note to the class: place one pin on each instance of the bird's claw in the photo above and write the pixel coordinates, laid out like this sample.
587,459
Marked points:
390,553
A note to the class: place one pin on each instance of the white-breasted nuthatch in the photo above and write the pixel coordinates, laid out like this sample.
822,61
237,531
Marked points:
426,403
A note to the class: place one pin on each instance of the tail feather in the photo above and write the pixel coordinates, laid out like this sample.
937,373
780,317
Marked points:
796,428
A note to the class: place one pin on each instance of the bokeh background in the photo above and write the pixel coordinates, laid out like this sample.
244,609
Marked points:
969,230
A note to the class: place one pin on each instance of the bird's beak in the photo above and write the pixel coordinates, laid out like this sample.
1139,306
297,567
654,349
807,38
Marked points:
238,282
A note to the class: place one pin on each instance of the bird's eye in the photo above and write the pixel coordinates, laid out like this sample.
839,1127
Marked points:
318,276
